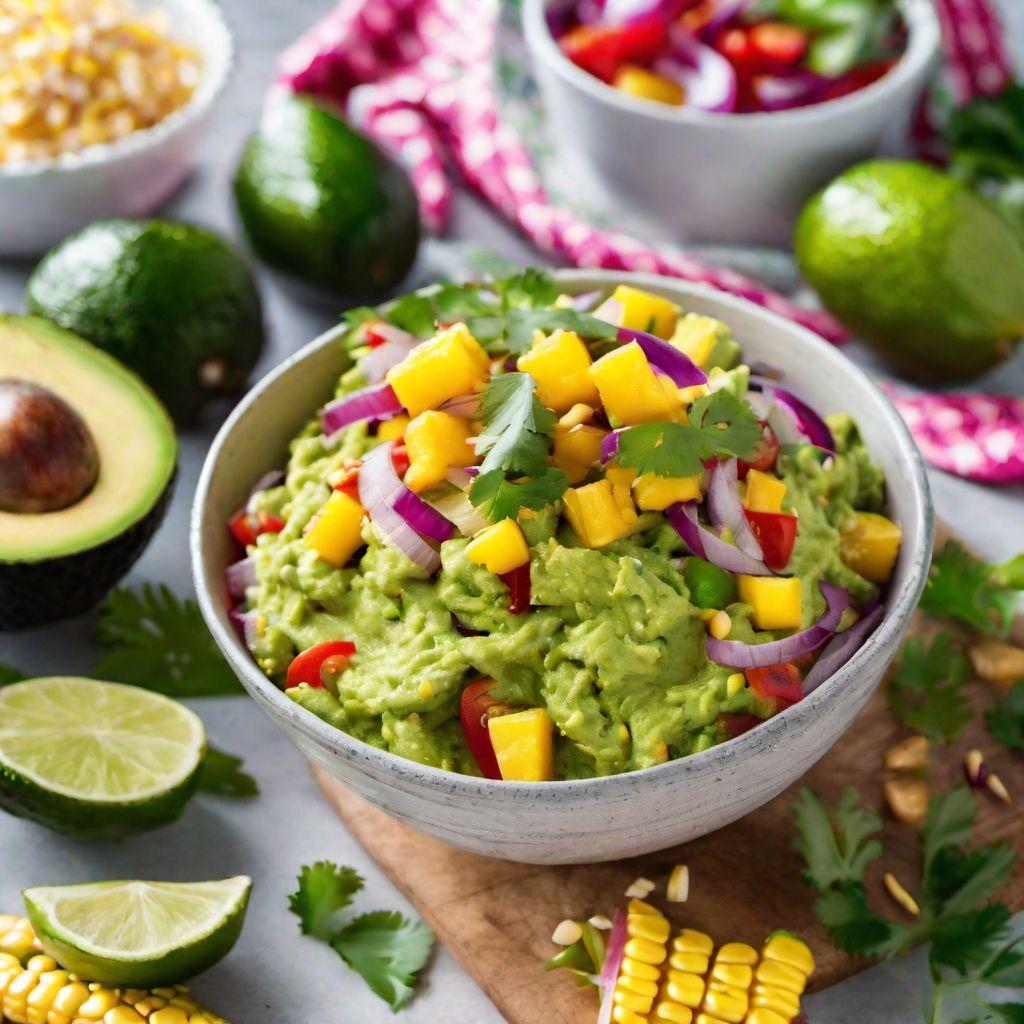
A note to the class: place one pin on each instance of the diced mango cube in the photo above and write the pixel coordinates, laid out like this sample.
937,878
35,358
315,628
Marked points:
575,451
622,484
450,364
335,532
559,364
435,442
656,493
695,336
629,387
674,397
869,544
392,429
523,745
595,515
774,600
500,548
642,311
764,492
647,85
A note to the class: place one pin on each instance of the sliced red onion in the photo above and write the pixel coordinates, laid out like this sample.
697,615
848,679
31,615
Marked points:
380,473
726,509
704,544
456,507
610,446
737,654
382,358
611,966
376,402
518,582
239,576
245,623
611,311
725,12
622,12
677,365
467,406
472,470
585,301
797,88
841,648
394,527
809,424
708,79
458,477
460,627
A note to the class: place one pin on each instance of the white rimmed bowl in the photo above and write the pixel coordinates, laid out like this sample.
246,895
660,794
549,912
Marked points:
43,201
694,176
597,819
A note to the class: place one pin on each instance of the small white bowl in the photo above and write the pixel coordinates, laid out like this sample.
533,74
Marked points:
693,176
596,819
43,201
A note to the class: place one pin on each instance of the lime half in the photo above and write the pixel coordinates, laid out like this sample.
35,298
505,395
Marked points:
139,934
96,760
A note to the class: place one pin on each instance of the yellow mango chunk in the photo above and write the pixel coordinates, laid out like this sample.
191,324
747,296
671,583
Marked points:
656,493
595,515
774,601
523,745
638,81
500,548
869,544
392,429
695,336
642,311
559,364
622,483
629,387
575,451
450,364
764,492
436,441
335,532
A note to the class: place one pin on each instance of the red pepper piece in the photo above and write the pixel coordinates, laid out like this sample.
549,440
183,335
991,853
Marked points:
348,478
603,49
321,664
400,458
765,453
777,46
857,79
781,683
736,724
373,339
776,533
268,522
476,708
518,582
242,527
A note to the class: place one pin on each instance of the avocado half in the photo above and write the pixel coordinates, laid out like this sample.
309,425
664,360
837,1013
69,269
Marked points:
61,562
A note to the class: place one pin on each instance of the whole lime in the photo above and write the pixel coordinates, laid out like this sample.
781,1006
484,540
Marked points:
921,266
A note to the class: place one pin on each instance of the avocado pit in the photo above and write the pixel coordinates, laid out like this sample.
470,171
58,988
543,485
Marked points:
48,457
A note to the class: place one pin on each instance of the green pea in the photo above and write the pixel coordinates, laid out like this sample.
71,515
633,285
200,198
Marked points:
709,586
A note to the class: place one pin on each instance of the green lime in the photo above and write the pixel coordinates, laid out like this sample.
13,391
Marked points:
139,934
96,760
925,269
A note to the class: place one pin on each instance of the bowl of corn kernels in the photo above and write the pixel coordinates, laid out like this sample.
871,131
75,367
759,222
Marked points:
103,104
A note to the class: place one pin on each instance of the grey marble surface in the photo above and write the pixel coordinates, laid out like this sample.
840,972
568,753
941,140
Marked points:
274,976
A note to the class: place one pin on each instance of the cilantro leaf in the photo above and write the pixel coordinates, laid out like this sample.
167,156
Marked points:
1005,720
388,951
968,942
839,854
720,425
9,674
854,927
1011,1013
926,688
1006,969
530,289
498,498
413,313
517,428
160,642
222,776
522,324
325,889
963,587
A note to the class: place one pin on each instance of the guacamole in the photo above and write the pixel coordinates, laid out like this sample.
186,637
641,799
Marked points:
603,666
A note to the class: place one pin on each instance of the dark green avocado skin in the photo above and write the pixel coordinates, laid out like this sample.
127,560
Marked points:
37,593
322,202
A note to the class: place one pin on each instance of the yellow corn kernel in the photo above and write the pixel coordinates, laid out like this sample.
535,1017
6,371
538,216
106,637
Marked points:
579,414
764,492
735,683
629,388
500,548
623,1015
392,429
576,449
775,974
730,1006
642,949
523,745
785,1004
41,997
656,493
762,1015
638,986
775,601
647,926
695,336
450,364
706,1018
436,441
647,85
737,953
559,364
639,970
733,975
425,690
720,625
684,988
100,1002
639,907
673,1012
594,514
642,311
869,544
69,999
691,941
692,963
124,1015
335,532
631,1000
169,1015
788,949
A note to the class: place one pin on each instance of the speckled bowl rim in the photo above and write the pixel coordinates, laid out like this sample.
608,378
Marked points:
899,608
209,88
923,38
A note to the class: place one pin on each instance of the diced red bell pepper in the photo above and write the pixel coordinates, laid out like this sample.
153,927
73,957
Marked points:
373,339
242,527
777,46
476,708
603,49
765,453
735,46
400,459
347,480
736,724
321,664
858,78
518,583
268,522
776,533
781,683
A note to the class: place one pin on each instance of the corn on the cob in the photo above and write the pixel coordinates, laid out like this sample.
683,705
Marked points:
35,990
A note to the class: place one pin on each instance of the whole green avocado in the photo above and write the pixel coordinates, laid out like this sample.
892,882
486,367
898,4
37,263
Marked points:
320,201
174,302
921,266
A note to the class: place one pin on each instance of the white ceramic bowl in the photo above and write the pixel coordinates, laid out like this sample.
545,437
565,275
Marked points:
599,819
43,201
694,176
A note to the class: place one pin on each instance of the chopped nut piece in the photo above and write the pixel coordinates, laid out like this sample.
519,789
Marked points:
601,922
997,789
908,756
907,799
900,895
640,889
678,890
579,413
567,933
974,768
998,663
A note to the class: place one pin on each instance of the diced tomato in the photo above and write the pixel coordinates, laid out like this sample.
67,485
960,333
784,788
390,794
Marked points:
400,459
268,522
603,49
781,683
476,708
736,725
347,479
321,664
735,46
777,46
373,339
518,583
776,533
765,454
241,525
858,78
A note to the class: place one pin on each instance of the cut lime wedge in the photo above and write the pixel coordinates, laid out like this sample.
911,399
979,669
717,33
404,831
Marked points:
95,759
139,934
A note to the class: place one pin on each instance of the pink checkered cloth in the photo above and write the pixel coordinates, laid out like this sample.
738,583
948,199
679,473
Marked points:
418,76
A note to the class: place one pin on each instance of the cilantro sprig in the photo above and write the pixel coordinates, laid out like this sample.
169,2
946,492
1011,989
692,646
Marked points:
1005,719
386,949
222,775
720,424
926,688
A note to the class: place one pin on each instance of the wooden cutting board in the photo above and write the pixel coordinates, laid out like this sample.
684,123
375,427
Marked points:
497,917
